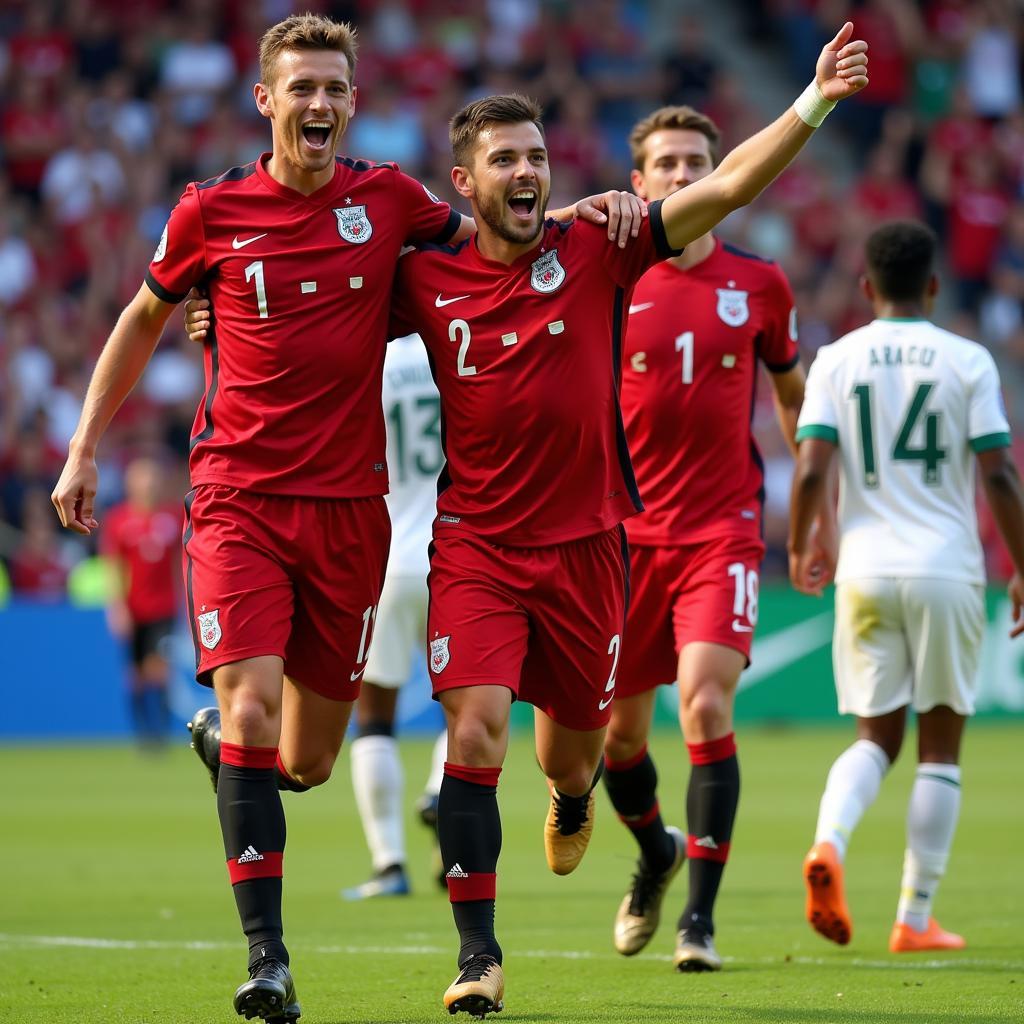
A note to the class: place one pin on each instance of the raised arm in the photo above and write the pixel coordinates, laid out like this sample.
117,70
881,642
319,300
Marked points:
118,369
755,163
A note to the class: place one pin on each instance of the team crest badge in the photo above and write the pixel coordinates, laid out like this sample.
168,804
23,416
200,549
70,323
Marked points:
209,628
353,224
732,307
547,274
439,656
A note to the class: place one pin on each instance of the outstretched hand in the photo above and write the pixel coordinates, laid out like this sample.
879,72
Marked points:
843,65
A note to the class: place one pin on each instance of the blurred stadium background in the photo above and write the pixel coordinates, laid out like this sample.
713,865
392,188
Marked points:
107,109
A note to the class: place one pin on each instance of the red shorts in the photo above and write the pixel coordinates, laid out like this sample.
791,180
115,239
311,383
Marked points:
545,622
296,577
697,592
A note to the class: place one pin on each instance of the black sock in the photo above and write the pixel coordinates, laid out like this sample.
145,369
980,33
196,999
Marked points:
711,800
469,832
252,823
632,788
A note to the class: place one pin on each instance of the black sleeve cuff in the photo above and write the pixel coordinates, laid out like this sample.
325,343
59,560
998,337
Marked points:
783,367
161,292
661,246
451,226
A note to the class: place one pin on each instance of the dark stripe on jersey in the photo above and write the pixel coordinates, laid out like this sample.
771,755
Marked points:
211,392
452,225
562,225
232,174
624,544
783,367
450,250
755,453
661,246
161,292
365,165
744,254
625,462
189,599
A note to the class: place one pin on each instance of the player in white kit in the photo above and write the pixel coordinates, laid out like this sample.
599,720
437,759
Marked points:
909,408
412,410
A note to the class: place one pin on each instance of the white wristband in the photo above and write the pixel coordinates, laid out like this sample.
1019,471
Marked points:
811,107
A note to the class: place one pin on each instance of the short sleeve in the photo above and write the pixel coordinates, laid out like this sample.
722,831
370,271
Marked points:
777,342
987,425
818,415
180,259
428,219
627,265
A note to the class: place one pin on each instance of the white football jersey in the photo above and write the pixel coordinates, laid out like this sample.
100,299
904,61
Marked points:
412,409
907,403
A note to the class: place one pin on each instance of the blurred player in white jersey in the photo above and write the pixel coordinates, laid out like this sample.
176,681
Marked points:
908,407
413,413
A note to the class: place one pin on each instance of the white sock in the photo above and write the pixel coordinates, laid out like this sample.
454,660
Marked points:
853,783
437,760
931,822
378,783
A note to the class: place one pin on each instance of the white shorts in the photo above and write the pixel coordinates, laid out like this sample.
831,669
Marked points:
902,642
399,631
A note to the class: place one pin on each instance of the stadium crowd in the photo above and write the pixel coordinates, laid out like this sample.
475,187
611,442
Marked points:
107,110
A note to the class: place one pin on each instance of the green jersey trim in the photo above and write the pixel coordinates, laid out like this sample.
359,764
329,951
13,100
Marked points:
990,441
819,431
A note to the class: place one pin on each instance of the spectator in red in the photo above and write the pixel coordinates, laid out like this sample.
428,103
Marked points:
883,193
40,565
41,50
31,131
142,538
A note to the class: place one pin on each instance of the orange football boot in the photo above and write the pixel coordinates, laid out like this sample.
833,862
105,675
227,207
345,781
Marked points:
826,903
905,939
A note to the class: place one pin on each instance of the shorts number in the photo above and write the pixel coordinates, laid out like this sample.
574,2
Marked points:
457,327
369,617
613,649
745,599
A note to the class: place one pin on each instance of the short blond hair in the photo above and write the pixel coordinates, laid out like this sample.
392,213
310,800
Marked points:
679,119
306,32
473,118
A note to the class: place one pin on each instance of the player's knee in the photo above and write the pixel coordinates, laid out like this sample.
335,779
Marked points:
706,707
623,742
476,740
247,715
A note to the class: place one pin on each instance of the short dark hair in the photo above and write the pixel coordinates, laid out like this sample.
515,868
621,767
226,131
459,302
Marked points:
674,118
901,259
306,32
473,118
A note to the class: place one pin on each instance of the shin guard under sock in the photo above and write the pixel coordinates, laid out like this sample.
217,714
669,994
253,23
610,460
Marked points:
632,788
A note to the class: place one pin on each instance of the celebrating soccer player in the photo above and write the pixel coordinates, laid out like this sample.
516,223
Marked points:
699,324
529,571
910,409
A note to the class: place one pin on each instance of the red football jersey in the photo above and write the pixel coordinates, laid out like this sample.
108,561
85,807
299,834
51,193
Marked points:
300,287
149,546
527,358
689,377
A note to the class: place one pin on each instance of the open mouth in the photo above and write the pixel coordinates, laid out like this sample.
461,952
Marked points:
316,133
522,203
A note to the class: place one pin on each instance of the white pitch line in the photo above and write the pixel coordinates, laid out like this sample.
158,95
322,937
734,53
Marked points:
11,941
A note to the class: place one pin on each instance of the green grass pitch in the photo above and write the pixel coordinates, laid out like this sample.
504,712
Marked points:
116,907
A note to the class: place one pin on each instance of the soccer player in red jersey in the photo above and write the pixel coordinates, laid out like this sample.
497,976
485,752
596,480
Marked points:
699,325
142,538
529,572
286,533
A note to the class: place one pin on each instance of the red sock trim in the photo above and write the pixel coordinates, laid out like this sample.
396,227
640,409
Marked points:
696,849
479,776
624,766
279,765
247,757
475,886
713,750
269,865
636,821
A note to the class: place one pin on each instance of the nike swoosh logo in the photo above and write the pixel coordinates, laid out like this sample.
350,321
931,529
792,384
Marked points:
601,705
356,675
236,244
738,627
439,302
640,307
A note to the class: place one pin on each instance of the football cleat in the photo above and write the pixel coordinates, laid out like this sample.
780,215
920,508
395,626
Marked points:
389,882
695,951
826,904
269,994
567,830
905,939
479,989
205,729
640,910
